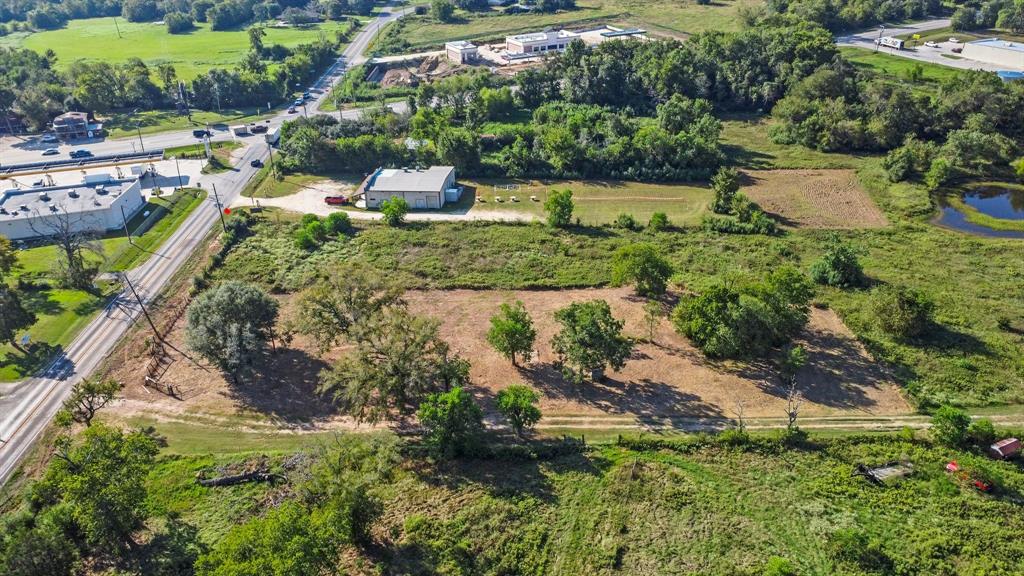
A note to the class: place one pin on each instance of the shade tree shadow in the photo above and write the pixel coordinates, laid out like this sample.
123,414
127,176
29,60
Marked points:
284,386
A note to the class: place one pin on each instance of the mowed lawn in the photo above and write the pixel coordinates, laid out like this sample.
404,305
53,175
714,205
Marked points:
666,17
61,313
595,201
191,54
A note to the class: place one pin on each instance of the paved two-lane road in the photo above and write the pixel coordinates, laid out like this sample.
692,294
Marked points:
27,407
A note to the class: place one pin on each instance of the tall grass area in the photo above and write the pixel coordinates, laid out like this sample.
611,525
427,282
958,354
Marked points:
689,506
972,356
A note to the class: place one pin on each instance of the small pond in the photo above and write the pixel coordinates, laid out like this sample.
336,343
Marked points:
1003,202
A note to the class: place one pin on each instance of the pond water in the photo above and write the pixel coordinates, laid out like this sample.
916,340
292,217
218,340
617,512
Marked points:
996,201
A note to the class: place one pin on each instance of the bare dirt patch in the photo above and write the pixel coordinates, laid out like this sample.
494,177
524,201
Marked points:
814,198
663,379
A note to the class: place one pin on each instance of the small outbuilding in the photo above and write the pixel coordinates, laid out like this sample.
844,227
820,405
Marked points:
1004,449
422,189
462,52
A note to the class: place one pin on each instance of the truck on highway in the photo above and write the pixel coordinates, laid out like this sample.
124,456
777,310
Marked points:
890,42
273,135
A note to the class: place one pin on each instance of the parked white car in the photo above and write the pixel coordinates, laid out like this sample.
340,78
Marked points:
931,44
954,40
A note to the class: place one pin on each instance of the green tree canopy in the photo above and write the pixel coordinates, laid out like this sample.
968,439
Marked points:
949,426
453,422
590,339
512,333
902,312
101,477
518,404
394,210
838,266
14,316
342,302
559,207
230,324
89,396
643,266
397,361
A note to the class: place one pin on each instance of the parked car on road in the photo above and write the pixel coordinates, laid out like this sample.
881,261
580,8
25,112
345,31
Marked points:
307,95
931,44
258,128
257,163
298,102
51,152
954,40
201,133
291,109
336,200
49,138
80,154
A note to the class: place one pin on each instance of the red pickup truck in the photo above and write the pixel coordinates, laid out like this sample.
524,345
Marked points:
336,200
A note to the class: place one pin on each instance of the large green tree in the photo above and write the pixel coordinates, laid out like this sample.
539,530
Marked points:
512,333
342,302
643,266
14,316
89,396
559,208
398,360
230,324
590,340
101,477
518,404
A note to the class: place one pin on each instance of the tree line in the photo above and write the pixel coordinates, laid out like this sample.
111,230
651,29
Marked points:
31,88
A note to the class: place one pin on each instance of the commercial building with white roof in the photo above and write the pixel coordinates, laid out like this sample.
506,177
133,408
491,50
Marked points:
996,51
540,42
423,189
99,204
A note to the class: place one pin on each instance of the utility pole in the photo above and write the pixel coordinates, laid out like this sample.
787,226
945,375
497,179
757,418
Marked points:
178,168
220,209
145,312
127,234
139,131
878,42
117,27
273,168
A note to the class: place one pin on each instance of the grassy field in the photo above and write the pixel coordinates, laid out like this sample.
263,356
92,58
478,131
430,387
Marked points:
665,17
597,202
221,160
899,68
746,143
191,54
62,313
686,506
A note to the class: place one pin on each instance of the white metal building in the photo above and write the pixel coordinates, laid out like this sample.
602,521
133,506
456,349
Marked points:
461,51
422,189
99,204
996,51
540,42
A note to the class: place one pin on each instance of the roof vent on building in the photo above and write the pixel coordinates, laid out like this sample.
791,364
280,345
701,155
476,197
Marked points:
101,189
73,194
44,197
24,208
53,207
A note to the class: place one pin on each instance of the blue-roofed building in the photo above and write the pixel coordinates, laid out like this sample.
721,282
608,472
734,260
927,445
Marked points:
995,51
1010,75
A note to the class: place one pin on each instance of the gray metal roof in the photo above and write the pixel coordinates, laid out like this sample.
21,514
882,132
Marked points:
410,180
78,198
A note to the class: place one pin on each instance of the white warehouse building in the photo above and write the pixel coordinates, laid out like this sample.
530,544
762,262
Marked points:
422,189
100,204
540,42
996,51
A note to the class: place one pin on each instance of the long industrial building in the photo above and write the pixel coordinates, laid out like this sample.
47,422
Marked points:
422,189
996,51
99,204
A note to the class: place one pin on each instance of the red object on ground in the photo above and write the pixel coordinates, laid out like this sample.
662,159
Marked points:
982,486
227,210
336,200
952,466
1005,448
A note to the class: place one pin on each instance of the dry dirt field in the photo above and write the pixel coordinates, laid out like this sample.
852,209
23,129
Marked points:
664,379
814,198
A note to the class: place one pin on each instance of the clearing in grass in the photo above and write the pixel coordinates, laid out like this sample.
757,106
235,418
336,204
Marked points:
814,198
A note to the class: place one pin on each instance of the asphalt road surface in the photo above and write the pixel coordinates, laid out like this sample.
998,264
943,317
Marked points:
26,408
942,54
